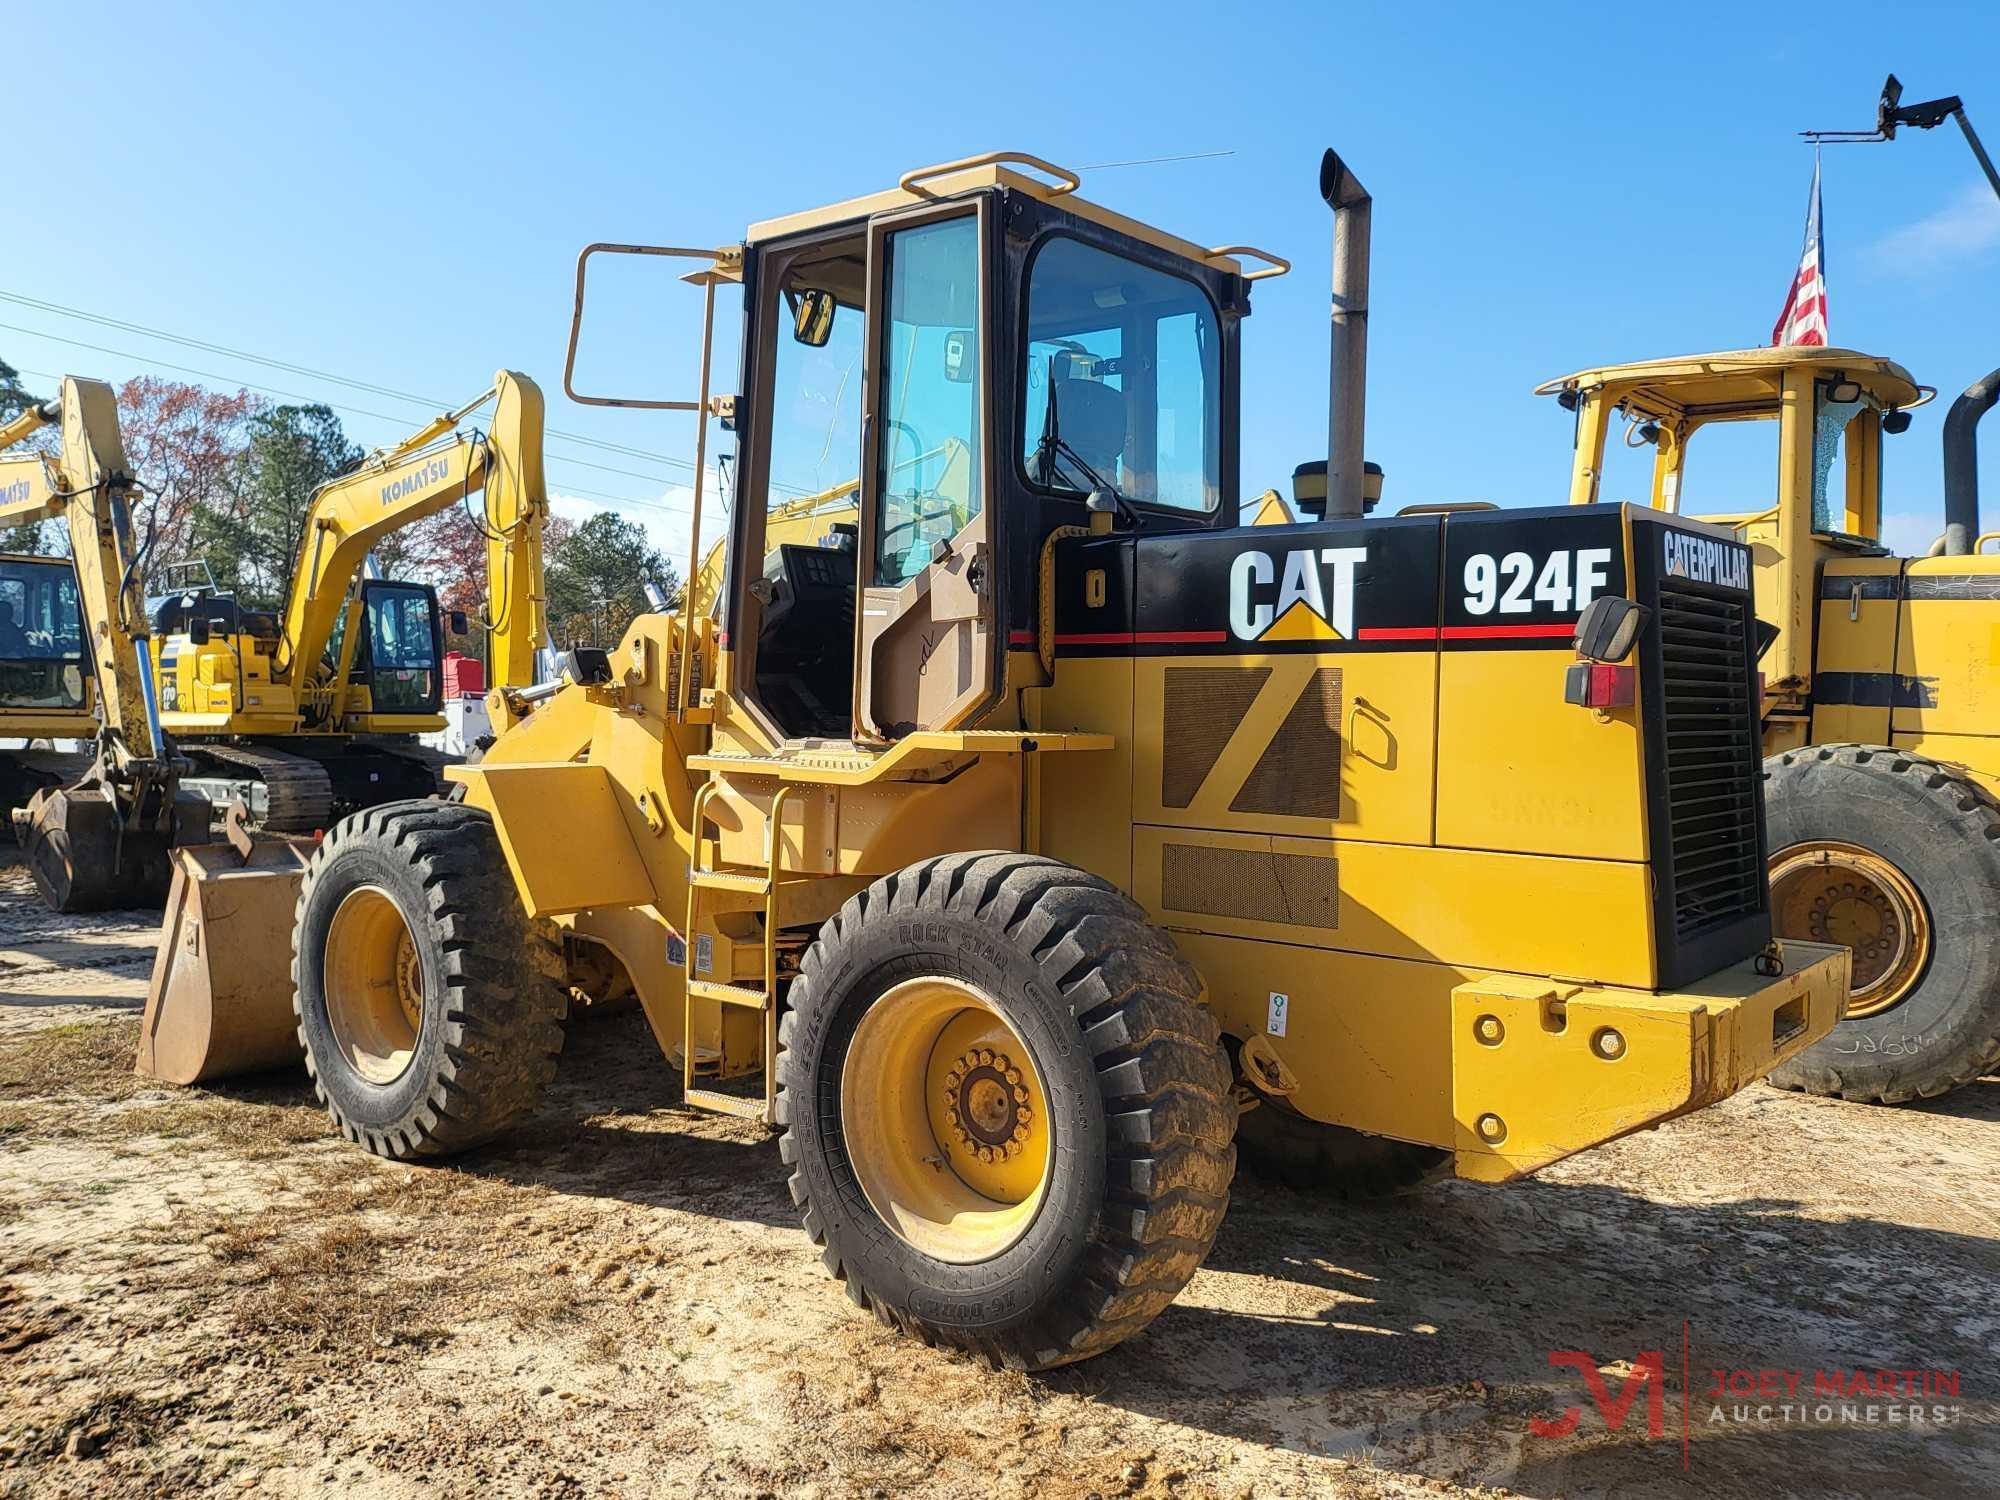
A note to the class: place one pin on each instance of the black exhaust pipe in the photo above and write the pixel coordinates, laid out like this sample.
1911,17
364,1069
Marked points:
1961,464
1347,373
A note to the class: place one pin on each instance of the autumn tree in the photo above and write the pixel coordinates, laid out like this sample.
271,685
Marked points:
183,443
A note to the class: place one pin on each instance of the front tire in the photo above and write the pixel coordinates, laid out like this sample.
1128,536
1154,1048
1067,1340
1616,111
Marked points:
1006,1113
1897,858
427,1006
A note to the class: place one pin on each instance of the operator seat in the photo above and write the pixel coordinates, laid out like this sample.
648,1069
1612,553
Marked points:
1092,417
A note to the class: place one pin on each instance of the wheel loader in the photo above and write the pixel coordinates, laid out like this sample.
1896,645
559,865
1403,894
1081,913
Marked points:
308,713
1879,716
1027,851
74,663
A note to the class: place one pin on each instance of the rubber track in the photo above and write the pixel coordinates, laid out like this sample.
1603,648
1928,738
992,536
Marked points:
300,791
503,1023
1163,1075
1982,814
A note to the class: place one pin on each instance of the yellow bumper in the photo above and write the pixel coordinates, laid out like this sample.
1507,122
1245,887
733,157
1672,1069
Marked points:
1545,1068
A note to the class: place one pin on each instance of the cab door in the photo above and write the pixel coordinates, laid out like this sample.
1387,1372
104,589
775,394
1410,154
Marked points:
927,647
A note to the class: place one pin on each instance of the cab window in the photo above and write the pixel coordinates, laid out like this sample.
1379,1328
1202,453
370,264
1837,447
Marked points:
41,637
402,649
1121,387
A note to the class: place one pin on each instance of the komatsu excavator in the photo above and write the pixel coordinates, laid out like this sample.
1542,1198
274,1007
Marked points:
99,840
304,716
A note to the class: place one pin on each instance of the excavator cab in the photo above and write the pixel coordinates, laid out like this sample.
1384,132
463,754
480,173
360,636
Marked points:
44,663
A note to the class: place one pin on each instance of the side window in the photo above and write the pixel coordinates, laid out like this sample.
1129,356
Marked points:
928,399
402,651
1122,386
1845,448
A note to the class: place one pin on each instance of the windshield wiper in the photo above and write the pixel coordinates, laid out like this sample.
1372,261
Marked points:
1052,449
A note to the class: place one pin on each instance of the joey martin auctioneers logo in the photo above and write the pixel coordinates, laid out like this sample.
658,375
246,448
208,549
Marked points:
1715,1397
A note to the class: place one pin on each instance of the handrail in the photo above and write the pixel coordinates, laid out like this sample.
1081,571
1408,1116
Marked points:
1276,265
716,259
1066,180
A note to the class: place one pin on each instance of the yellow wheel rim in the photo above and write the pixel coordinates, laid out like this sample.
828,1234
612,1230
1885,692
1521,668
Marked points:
1841,893
945,1121
374,985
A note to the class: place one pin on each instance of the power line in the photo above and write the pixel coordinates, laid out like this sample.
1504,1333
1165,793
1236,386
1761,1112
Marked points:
368,387
1154,161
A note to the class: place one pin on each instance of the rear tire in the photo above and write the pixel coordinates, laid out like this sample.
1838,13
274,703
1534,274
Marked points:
432,1020
1130,1134
1279,1144
1902,855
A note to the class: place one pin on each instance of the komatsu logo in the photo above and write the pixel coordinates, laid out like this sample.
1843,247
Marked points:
1701,559
417,479
15,493
1314,599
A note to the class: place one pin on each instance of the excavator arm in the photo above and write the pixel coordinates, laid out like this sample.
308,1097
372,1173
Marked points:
396,487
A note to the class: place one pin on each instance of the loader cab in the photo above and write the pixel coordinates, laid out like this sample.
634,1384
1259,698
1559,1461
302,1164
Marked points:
44,659
934,381
1816,418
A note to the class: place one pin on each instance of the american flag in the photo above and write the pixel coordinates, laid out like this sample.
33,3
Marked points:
1804,319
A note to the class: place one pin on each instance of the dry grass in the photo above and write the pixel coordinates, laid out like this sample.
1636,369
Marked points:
88,1058
331,1295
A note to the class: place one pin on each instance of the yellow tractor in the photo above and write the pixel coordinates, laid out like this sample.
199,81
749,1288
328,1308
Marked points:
74,663
307,713
1881,712
1007,850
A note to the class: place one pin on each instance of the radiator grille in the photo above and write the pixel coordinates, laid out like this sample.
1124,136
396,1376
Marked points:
1712,759
1252,885
1203,707
1299,774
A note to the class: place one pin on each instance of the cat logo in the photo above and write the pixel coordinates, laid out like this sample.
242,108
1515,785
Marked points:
1314,598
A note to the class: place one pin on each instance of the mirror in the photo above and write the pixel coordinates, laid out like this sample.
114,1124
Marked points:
1607,627
457,622
1767,637
958,356
198,632
812,316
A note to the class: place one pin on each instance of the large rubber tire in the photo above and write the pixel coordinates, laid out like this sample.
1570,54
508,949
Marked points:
1137,1087
491,1010
1942,832
1279,1144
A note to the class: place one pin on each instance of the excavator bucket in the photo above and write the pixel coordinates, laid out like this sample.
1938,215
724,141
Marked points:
221,998
84,859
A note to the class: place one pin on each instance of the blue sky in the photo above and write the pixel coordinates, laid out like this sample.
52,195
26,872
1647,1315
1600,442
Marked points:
397,193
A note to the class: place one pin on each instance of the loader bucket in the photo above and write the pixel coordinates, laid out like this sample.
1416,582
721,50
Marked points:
221,998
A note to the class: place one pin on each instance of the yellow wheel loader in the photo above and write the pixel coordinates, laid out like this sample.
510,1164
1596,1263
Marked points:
1881,711
307,713
73,631
1006,851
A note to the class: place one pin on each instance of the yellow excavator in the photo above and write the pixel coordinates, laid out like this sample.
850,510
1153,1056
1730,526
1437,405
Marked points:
305,714
78,632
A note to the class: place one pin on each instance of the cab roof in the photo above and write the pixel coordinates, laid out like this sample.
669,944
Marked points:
1737,381
930,184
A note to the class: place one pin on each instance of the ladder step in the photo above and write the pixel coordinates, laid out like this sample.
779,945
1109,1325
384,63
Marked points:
728,994
725,1104
730,880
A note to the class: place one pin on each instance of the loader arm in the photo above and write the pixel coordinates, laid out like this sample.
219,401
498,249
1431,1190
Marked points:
399,486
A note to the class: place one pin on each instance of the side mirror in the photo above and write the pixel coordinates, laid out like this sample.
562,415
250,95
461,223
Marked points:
812,317
1894,422
587,664
958,362
458,623
1767,637
1607,628
198,632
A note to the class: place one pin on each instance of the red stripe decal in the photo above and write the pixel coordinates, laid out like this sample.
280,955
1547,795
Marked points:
1099,638
1508,632
1179,637
1021,638
1396,633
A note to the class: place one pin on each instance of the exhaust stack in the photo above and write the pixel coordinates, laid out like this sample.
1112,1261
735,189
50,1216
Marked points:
1961,464
1347,372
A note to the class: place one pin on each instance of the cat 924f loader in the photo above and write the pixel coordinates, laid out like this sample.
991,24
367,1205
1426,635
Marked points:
1005,852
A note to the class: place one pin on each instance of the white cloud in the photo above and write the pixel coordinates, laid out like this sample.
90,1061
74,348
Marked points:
1967,226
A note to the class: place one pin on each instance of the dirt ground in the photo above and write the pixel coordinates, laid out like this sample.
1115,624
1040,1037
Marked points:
206,1291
